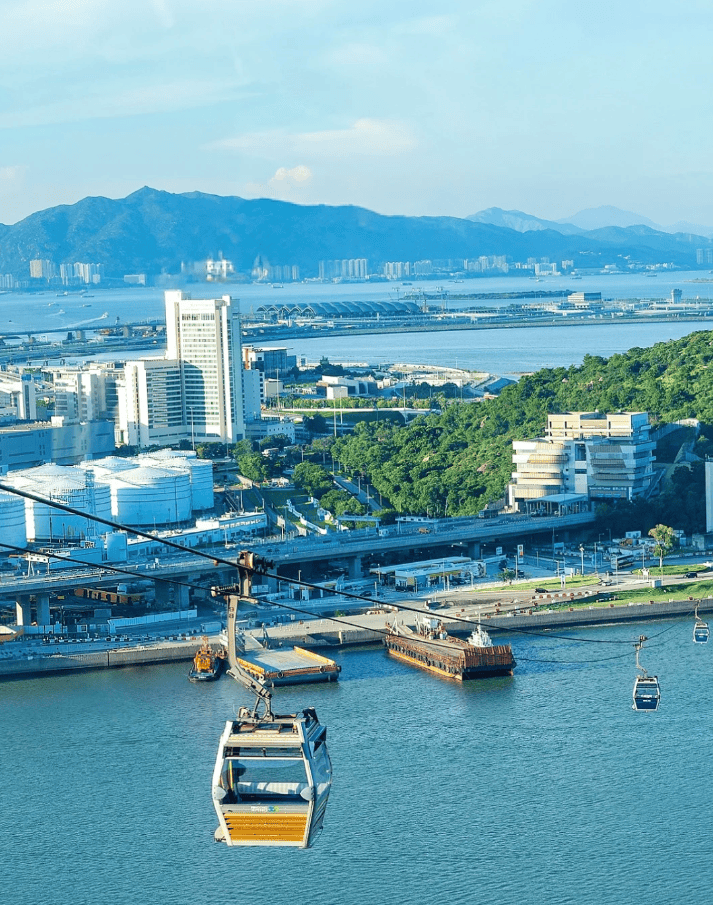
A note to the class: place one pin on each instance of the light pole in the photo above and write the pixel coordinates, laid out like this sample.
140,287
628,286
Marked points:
581,550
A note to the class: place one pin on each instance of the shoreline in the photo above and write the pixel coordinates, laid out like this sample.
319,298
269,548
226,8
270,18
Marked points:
337,637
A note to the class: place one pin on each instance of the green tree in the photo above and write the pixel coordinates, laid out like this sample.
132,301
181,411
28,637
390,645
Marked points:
313,479
665,542
255,467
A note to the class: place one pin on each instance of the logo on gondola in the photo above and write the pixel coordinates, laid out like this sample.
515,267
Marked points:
272,809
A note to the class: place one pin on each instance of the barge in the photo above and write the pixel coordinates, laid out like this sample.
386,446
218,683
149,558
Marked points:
431,648
281,665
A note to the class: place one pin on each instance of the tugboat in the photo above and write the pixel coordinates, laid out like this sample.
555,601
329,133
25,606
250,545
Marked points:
430,647
208,665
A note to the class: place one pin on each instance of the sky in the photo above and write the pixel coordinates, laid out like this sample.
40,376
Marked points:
544,106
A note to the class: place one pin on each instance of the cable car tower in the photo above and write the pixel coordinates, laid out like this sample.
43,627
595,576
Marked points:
701,632
647,693
272,773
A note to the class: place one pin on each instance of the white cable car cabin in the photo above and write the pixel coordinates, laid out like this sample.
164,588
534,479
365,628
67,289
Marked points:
272,774
647,693
701,632
271,780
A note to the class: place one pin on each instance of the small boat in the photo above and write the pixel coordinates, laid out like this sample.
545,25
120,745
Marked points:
208,664
430,647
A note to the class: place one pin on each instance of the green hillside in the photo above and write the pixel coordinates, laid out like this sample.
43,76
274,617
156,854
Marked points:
455,462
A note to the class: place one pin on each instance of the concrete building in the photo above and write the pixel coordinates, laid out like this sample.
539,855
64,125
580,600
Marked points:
18,397
41,269
597,456
151,411
203,336
27,446
253,395
709,495
334,387
273,361
87,393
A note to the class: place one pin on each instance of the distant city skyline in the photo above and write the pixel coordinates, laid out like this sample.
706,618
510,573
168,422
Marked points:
546,108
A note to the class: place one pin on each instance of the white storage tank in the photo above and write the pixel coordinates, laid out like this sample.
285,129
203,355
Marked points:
150,496
116,545
200,472
70,486
12,519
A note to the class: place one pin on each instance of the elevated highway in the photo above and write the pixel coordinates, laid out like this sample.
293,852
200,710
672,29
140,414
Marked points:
428,541
349,549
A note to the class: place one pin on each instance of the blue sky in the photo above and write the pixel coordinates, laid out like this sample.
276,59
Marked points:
402,107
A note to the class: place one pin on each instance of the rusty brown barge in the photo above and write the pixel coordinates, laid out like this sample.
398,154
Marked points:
430,647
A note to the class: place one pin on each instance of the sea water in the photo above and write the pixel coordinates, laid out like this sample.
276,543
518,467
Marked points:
541,788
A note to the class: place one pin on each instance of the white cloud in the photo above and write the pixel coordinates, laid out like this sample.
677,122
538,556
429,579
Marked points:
366,137
297,174
11,178
106,101
288,184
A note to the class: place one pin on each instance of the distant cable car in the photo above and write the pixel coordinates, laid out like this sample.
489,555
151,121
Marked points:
647,692
701,632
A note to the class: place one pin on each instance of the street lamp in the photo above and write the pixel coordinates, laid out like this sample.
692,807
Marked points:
581,550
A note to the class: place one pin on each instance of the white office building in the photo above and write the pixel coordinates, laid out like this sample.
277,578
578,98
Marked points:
597,456
151,409
203,337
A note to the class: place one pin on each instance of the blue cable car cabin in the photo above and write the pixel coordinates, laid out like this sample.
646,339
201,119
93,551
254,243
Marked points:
701,633
647,693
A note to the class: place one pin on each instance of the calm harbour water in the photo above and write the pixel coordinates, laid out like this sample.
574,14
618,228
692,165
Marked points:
497,351
541,788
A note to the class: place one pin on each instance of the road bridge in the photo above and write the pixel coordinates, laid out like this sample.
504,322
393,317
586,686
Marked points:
428,541
347,549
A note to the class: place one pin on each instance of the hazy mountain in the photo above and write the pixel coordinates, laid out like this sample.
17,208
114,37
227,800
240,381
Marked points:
151,231
598,217
683,226
520,221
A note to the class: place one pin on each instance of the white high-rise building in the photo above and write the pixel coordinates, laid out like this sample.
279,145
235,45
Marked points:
203,336
151,406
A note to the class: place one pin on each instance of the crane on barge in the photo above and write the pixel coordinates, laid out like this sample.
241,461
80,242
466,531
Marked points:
272,773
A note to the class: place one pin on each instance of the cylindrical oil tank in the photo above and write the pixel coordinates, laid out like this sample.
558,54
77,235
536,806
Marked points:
201,483
150,496
200,472
12,519
69,486
116,546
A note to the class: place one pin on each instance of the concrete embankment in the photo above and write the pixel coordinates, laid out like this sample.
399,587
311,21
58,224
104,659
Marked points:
337,635
36,664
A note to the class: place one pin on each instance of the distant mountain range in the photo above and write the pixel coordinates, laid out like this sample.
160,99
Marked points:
152,232
592,218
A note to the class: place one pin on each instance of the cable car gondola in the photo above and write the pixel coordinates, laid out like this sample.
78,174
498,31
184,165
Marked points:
647,692
272,774
271,779
701,632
